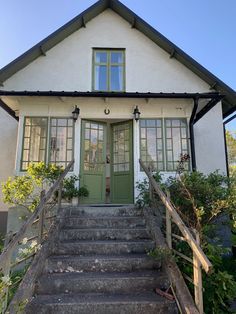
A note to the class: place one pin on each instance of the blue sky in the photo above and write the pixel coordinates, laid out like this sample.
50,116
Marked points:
205,29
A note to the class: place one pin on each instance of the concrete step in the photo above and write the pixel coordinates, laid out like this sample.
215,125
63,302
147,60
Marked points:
105,221
103,263
98,211
103,234
115,282
83,247
139,303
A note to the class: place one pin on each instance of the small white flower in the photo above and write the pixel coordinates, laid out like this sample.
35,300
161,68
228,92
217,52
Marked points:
33,244
25,240
6,280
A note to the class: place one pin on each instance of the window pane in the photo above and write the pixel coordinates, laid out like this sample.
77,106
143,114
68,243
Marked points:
116,79
151,123
101,57
116,57
34,141
176,143
101,77
151,143
61,141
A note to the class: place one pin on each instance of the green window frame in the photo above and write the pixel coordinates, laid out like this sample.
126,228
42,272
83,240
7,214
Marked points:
108,70
162,141
41,135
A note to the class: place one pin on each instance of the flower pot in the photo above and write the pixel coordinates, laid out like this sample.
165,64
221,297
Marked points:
74,201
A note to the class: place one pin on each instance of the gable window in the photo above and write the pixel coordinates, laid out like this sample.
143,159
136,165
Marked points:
162,141
109,70
55,146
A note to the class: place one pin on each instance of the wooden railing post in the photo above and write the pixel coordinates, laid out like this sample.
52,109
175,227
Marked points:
41,218
60,195
168,224
6,273
197,278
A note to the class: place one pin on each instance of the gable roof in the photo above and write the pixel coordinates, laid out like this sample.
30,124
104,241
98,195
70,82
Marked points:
229,101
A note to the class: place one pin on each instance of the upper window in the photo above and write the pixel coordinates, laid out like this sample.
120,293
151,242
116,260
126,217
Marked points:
55,146
162,141
109,70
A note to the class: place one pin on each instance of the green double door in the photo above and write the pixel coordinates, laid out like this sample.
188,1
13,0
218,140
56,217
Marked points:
104,169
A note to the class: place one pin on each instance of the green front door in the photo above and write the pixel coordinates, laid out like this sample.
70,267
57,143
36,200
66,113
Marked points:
93,157
122,163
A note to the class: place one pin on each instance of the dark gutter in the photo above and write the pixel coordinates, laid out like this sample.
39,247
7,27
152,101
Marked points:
109,94
226,152
8,110
191,133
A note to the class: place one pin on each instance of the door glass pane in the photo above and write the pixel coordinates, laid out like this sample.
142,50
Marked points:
121,149
93,147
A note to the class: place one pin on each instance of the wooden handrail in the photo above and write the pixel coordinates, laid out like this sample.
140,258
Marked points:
39,209
206,264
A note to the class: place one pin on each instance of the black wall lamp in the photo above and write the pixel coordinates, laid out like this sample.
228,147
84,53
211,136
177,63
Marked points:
75,113
136,113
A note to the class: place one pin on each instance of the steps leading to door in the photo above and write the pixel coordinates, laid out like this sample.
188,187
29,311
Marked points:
100,265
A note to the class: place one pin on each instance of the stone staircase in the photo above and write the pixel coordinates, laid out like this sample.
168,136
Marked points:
100,265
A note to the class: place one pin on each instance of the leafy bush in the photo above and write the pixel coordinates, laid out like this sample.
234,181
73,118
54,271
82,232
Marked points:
25,190
200,199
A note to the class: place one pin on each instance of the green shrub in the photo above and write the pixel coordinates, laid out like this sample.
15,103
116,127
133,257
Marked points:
25,190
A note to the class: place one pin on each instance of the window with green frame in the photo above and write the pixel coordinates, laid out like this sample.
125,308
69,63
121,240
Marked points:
47,139
162,141
109,70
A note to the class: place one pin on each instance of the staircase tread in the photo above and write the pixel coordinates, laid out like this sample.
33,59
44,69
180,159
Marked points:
102,256
107,241
103,228
104,275
106,217
79,298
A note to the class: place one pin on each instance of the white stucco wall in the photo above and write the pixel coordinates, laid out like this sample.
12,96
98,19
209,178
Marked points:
209,142
68,66
8,135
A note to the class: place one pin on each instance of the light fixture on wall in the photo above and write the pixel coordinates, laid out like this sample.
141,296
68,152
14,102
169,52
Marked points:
75,113
136,113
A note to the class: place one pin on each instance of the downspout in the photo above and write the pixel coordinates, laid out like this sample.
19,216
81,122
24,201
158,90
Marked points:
226,149
191,133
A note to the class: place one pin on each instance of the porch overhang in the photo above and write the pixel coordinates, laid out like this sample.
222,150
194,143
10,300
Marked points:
209,99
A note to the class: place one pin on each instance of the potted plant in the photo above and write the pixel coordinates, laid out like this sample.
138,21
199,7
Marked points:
83,192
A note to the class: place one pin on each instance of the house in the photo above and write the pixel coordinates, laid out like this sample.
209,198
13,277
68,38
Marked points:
133,93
